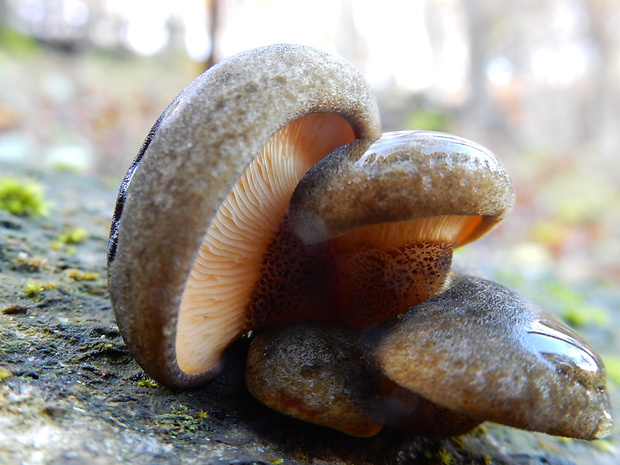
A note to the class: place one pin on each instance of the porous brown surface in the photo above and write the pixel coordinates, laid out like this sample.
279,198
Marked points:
71,393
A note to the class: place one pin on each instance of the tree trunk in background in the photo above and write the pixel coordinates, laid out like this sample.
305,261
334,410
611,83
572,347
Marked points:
606,97
351,43
212,7
483,112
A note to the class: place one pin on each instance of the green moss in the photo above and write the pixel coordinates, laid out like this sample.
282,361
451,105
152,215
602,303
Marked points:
182,422
34,288
103,346
4,373
147,383
22,197
439,457
445,458
73,236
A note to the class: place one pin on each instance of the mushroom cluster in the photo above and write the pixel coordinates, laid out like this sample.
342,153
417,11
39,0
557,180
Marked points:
265,200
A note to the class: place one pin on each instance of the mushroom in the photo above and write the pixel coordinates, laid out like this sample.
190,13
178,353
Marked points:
394,207
484,351
455,350
264,201
321,373
317,372
206,197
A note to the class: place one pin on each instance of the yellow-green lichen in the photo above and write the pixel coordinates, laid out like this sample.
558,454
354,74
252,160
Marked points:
22,197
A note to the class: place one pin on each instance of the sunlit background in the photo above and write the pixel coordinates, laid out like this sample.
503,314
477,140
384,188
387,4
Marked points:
82,81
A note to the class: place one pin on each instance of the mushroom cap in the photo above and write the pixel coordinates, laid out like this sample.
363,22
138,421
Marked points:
320,373
194,155
317,372
398,177
482,350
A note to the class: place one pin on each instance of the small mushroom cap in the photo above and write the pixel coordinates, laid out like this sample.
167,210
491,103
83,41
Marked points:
193,157
402,176
482,350
318,373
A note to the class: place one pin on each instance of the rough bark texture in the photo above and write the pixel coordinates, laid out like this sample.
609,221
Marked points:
71,394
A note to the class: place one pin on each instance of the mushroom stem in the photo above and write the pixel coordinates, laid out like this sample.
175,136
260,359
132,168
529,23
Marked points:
384,269
360,279
376,283
296,283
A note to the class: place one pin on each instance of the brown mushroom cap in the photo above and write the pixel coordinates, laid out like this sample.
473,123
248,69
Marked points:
428,184
196,153
393,208
318,373
484,351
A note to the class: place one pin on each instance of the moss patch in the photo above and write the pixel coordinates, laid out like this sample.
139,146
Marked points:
34,288
22,197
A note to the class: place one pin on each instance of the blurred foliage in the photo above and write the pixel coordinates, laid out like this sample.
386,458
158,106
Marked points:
427,120
612,365
85,112
22,197
16,42
86,109
573,306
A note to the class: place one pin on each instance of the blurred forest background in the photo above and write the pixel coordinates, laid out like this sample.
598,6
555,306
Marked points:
536,81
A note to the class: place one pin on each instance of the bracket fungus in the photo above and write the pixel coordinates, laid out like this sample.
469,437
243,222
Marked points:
266,201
